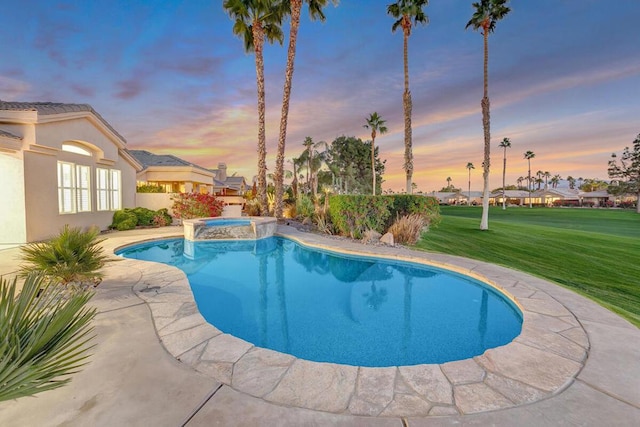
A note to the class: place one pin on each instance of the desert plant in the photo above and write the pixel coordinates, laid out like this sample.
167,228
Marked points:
305,207
252,207
43,336
407,229
73,257
323,222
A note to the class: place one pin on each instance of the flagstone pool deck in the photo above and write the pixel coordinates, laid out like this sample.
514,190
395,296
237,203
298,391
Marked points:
157,362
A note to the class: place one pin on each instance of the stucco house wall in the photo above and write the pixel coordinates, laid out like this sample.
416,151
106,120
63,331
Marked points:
42,129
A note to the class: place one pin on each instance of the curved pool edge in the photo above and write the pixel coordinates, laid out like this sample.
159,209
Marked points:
541,362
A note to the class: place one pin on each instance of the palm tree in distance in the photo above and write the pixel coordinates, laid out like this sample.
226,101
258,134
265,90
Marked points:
315,12
505,143
519,181
254,22
572,182
376,124
487,13
470,166
546,175
448,183
529,155
406,11
555,180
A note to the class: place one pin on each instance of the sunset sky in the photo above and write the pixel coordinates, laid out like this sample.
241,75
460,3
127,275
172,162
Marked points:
170,76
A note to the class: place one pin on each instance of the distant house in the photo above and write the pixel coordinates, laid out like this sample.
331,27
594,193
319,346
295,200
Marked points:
513,197
175,175
231,185
448,198
60,164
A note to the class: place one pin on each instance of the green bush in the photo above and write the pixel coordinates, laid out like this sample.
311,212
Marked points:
408,204
145,216
72,257
304,207
150,188
43,336
352,215
124,219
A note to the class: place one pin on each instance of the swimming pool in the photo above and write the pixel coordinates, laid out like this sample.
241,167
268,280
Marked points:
326,307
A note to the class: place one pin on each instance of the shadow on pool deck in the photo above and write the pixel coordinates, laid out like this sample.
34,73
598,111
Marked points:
133,380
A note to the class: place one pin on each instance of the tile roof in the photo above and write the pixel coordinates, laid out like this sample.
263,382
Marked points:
9,135
50,108
148,159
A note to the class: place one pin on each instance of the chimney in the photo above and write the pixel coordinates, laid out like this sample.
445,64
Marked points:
222,172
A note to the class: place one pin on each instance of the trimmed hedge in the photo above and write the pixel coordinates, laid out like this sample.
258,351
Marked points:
352,215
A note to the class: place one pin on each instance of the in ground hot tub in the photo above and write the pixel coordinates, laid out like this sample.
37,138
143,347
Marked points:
227,228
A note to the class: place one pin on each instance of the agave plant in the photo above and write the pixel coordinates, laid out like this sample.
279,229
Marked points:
72,257
44,335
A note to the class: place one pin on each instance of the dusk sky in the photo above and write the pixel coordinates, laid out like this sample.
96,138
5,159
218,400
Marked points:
170,76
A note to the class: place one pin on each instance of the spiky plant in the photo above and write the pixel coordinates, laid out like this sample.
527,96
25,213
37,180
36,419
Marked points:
44,335
72,257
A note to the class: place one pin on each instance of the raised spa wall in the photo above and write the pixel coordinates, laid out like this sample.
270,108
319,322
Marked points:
202,229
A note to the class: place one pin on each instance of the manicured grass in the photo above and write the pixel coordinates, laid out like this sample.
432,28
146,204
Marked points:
594,252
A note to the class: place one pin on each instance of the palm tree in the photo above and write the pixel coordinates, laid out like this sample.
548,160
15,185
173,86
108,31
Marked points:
315,12
529,155
313,158
487,13
376,124
255,22
406,11
572,182
519,180
505,143
470,166
546,175
448,182
555,180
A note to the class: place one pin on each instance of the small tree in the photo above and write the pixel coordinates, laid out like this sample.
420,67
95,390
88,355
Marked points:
470,166
627,170
377,125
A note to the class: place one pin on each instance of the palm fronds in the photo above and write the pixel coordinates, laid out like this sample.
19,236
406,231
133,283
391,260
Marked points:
43,335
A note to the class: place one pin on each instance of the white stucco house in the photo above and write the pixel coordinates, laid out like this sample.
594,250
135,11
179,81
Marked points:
61,164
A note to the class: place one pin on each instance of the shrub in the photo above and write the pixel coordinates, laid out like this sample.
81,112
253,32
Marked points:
407,204
196,205
144,216
150,188
124,219
407,229
252,207
162,218
44,336
305,207
72,257
353,214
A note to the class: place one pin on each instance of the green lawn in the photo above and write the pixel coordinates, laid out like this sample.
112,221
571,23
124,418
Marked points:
595,252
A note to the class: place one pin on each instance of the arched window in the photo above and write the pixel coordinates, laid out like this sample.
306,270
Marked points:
74,148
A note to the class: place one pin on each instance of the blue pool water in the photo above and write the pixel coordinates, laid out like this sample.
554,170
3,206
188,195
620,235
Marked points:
327,307
226,222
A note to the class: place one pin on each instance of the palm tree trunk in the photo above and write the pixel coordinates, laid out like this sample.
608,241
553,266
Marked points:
504,174
484,222
408,155
296,5
258,40
373,165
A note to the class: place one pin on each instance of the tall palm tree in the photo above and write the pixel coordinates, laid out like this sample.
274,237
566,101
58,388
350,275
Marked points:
487,13
406,11
313,158
505,143
315,12
376,124
254,22
470,166
529,155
